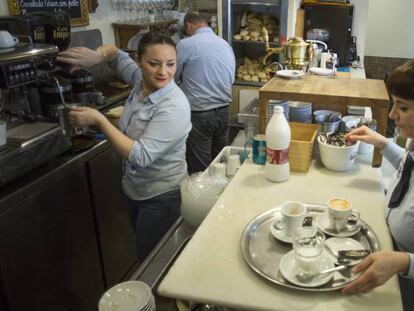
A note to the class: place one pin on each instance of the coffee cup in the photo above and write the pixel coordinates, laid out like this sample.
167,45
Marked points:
7,40
340,210
293,214
307,250
233,164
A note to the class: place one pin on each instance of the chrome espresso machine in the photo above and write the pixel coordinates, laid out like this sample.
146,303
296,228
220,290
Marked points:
35,92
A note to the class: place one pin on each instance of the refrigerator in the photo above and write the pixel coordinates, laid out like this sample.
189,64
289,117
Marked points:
337,19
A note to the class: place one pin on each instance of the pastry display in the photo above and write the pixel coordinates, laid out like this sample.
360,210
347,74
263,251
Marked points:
253,70
251,25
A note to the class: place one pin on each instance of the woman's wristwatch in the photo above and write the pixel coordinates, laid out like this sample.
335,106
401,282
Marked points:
103,54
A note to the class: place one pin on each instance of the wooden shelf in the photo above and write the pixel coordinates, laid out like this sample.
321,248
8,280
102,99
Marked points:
124,31
328,93
156,23
272,44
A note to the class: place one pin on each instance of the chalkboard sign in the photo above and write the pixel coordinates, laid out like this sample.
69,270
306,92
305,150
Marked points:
77,9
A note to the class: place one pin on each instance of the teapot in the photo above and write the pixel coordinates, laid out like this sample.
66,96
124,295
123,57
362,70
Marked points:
296,52
199,192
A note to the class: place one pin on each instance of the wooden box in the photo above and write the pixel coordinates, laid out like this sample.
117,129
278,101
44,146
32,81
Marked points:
303,137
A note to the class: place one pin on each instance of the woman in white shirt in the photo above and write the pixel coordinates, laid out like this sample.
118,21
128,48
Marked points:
153,130
377,268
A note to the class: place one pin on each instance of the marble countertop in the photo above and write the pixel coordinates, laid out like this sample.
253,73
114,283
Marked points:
211,268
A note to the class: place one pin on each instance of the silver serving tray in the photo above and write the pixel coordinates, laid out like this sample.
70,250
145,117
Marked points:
262,252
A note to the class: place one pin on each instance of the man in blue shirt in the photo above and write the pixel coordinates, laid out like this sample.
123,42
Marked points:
205,72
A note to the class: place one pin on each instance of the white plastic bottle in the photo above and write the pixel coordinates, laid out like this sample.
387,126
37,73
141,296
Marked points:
277,147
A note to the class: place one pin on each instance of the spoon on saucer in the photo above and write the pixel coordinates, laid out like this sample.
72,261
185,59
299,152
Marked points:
307,278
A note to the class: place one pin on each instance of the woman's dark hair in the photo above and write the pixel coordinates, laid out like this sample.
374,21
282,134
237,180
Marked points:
151,38
401,81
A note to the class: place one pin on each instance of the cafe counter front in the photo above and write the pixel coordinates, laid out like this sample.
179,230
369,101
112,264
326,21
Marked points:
211,269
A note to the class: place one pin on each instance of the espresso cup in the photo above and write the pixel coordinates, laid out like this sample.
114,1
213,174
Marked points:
7,40
307,249
293,214
340,210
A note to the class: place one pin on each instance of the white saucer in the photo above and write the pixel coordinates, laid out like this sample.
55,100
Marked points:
127,295
282,236
288,270
321,71
290,74
324,225
346,244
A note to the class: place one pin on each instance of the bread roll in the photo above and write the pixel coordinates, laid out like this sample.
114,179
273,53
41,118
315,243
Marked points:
241,68
115,112
247,77
251,15
248,61
237,37
255,78
243,21
244,33
255,21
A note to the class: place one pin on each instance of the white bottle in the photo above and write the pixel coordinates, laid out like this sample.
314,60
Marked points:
277,147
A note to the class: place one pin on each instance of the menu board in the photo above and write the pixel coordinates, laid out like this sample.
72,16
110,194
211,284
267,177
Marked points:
77,9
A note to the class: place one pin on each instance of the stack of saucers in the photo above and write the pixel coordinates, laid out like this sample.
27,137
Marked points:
130,295
300,112
273,103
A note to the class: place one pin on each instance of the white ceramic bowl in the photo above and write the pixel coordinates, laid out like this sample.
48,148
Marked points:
319,112
339,159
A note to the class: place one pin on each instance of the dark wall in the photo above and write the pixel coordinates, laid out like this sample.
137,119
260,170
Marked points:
376,67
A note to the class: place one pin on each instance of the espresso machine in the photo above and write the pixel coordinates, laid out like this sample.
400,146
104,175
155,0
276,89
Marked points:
32,138
35,131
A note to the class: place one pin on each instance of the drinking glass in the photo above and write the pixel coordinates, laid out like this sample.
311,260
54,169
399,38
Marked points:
307,249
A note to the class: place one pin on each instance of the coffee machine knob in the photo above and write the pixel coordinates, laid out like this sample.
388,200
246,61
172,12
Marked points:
46,63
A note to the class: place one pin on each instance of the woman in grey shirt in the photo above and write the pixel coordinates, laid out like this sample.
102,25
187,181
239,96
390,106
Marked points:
377,268
153,130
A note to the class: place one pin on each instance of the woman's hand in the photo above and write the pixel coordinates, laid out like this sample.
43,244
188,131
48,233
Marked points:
367,135
85,116
376,269
80,57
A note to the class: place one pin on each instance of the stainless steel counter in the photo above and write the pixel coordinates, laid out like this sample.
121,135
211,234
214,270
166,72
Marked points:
164,254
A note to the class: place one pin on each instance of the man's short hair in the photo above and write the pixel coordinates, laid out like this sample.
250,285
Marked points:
194,18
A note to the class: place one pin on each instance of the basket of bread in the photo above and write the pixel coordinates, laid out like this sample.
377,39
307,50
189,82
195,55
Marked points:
253,70
114,114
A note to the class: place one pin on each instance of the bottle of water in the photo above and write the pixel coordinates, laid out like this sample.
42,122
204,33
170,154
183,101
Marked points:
277,147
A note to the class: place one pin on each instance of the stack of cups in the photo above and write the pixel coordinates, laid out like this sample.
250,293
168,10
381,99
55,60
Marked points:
3,132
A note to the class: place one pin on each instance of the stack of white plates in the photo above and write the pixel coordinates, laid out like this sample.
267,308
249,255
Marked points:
130,295
300,112
273,103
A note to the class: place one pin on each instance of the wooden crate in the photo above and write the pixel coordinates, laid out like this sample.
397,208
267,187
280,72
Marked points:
303,138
